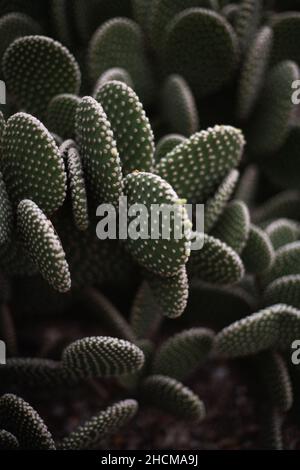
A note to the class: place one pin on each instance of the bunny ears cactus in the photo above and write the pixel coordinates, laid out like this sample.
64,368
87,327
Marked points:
145,110
37,68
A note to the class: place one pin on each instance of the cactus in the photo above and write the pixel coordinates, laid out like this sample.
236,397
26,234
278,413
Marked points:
281,232
269,124
163,256
258,254
131,127
171,293
8,441
102,356
167,144
61,115
207,36
145,314
216,262
275,378
119,43
99,152
233,226
276,326
196,157
218,202
28,78
7,215
253,72
20,419
77,189
179,106
90,433
43,245
139,106
43,179
182,353
286,262
171,396
246,21
114,74
15,25
285,290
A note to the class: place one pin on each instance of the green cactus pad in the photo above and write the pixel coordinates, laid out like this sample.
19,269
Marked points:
179,107
15,25
32,166
77,189
102,356
8,441
98,151
271,428
19,418
119,43
215,206
60,21
100,426
43,245
131,127
287,261
274,327
145,314
163,256
248,185
181,354
233,226
6,214
162,12
285,290
284,168
282,232
140,12
247,20
37,68
253,72
269,124
275,379
230,12
258,254
206,35
284,204
166,144
196,167
113,74
216,262
92,261
170,293
286,27
61,115
218,306
35,373
173,397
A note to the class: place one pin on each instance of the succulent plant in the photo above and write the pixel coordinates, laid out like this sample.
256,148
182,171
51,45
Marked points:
165,104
